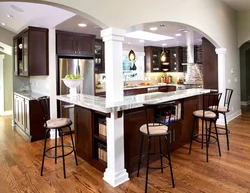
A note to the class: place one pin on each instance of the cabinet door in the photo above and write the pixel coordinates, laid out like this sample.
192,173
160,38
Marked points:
135,91
26,117
24,65
19,111
85,46
83,125
156,65
99,57
166,66
171,88
163,88
15,63
66,44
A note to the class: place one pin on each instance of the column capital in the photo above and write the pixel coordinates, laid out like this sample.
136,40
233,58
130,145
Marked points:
111,33
1,56
221,50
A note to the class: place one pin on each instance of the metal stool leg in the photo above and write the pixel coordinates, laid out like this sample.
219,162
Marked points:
139,162
207,140
44,149
73,146
64,172
170,164
202,132
160,153
225,119
56,146
192,133
217,137
146,183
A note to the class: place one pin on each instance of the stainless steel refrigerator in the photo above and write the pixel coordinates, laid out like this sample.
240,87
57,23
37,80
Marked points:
84,67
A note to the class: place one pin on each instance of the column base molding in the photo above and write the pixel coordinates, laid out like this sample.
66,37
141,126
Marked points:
115,179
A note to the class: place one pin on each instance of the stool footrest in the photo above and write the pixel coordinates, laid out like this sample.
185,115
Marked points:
154,154
58,156
204,142
224,132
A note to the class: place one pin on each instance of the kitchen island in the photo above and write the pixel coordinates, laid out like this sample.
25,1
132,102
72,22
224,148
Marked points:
123,120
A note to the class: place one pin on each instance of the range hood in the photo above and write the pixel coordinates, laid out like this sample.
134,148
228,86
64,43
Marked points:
190,55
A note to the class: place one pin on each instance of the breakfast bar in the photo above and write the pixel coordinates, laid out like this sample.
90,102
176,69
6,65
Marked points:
116,152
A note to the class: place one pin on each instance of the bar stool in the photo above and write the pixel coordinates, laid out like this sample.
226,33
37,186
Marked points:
159,127
223,110
57,125
207,116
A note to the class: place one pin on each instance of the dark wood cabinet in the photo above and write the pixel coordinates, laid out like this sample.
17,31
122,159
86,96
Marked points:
28,117
74,44
31,52
167,88
154,64
99,56
135,91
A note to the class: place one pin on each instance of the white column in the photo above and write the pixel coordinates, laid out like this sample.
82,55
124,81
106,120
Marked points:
115,173
113,39
1,85
221,52
52,76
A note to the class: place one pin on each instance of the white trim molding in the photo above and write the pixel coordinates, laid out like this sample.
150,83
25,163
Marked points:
229,118
1,85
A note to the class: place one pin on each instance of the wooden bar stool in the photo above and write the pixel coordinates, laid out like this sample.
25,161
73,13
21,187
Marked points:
223,110
56,124
159,127
209,117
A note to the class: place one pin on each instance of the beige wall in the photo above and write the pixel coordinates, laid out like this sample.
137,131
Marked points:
7,69
6,36
243,27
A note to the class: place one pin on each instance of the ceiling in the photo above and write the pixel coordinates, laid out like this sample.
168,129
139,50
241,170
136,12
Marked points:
40,15
239,5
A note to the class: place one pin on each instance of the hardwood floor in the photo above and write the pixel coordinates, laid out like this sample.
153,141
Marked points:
20,163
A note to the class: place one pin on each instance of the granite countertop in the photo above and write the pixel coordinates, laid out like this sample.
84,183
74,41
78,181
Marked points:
138,87
29,95
129,102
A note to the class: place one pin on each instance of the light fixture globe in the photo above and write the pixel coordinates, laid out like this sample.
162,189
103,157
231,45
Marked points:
163,57
72,84
131,55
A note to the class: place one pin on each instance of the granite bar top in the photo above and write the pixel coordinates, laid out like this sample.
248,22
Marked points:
29,95
129,102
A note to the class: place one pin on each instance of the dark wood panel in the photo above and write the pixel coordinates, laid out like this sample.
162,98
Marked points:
38,52
83,124
65,44
135,91
210,65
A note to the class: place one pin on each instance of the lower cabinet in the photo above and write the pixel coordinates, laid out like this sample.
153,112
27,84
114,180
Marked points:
28,117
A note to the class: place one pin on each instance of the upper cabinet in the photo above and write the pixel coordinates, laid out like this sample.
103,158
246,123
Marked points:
154,64
198,54
99,56
31,52
74,44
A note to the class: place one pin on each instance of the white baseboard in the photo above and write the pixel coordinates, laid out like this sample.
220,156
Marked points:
245,103
6,113
229,118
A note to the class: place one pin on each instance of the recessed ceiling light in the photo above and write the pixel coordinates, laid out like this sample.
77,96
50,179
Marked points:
3,23
177,34
129,42
10,16
141,40
153,28
164,44
185,31
82,25
147,36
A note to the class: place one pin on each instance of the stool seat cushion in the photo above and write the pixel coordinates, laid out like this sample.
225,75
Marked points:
154,129
59,122
207,114
221,109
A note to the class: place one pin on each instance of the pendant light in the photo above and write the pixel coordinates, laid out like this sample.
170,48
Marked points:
131,55
163,56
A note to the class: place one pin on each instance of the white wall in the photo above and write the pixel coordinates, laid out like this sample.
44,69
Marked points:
214,19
